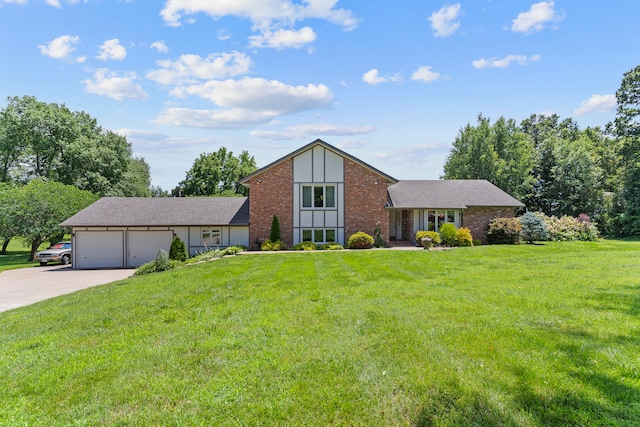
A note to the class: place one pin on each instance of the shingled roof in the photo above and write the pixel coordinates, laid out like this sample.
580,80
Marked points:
448,194
162,211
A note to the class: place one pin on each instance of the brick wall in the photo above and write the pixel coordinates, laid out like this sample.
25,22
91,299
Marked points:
478,219
364,201
271,193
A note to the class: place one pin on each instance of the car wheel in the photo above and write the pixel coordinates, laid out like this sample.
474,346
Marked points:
43,264
66,259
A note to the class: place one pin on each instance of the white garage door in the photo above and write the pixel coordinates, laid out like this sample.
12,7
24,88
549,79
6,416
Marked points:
143,245
99,249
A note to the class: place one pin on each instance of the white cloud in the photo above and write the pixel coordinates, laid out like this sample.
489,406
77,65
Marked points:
160,46
109,83
192,68
445,22
504,62
280,39
112,49
303,131
597,104
224,34
426,75
61,47
536,18
54,3
373,77
245,102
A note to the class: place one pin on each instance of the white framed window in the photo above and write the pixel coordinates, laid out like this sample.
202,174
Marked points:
434,219
318,196
211,237
319,235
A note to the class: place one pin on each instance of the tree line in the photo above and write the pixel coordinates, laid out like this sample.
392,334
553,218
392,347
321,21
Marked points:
554,167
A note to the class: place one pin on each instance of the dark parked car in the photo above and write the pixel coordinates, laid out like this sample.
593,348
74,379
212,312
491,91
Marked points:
60,252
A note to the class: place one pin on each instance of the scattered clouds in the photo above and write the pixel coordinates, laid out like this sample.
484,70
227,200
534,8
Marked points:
244,102
425,74
274,20
160,46
315,130
112,49
445,21
280,38
61,47
505,62
109,83
224,34
193,68
373,77
536,18
597,104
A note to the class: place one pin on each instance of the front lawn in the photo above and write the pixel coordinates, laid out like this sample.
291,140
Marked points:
527,335
17,256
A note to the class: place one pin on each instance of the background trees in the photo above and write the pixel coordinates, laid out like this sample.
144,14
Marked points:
217,174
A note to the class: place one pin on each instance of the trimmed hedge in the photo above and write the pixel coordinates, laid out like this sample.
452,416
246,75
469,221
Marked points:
360,240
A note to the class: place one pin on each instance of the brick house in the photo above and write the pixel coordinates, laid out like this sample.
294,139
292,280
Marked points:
319,193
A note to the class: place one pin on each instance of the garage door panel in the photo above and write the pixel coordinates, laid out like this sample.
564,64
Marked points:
99,249
142,246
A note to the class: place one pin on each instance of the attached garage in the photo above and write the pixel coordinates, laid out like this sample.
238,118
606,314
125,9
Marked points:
126,232
98,249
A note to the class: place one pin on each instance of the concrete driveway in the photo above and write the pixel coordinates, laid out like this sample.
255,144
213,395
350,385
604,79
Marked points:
25,286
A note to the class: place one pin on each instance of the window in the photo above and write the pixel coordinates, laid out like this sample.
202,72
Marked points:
318,235
433,220
210,237
318,196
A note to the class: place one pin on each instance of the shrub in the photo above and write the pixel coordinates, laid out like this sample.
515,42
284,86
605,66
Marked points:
304,246
435,237
178,251
275,236
533,228
379,241
268,245
160,263
463,237
332,247
477,242
504,231
568,228
360,240
448,234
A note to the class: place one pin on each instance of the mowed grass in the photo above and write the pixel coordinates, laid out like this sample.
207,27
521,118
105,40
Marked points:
17,255
493,335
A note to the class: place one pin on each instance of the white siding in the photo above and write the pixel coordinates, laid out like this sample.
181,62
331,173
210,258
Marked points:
318,164
334,167
303,167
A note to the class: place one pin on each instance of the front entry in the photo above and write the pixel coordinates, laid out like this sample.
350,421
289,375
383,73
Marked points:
395,224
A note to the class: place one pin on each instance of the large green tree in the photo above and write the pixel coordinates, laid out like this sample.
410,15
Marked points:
41,205
9,221
500,153
48,140
217,174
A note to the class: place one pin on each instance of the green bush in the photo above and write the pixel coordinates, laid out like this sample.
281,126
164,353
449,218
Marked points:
448,234
435,237
477,242
533,228
379,241
332,247
360,240
160,263
504,231
305,246
268,245
463,237
274,235
178,251
568,228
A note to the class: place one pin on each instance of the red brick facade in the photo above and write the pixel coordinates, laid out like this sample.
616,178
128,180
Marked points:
478,219
364,201
271,193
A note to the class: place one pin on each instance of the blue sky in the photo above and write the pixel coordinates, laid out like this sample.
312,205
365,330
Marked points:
391,83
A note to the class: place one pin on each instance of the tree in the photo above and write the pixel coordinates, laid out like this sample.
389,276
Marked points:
533,228
500,153
626,127
217,174
42,205
9,220
178,250
274,235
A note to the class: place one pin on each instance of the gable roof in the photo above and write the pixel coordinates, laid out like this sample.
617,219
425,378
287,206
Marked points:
448,194
245,181
162,211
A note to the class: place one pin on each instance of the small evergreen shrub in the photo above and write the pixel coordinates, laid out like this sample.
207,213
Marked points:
360,240
477,242
160,263
305,246
178,251
533,228
332,247
379,241
463,237
275,236
504,231
448,234
268,245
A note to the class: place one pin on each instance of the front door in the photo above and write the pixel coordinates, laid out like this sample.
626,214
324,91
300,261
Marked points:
395,224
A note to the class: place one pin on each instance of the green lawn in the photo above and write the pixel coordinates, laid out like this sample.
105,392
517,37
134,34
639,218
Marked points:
492,335
17,256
